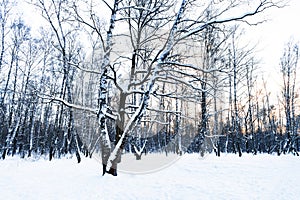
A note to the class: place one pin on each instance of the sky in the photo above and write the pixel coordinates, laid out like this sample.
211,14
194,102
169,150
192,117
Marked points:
270,36
282,25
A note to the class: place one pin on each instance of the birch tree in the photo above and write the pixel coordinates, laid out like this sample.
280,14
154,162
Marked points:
156,31
55,14
13,112
181,30
288,67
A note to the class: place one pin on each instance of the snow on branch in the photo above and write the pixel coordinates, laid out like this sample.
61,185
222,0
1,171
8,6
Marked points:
68,104
75,106
135,118
139,152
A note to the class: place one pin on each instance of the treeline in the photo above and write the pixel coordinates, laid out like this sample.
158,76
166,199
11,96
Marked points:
165,84
258,142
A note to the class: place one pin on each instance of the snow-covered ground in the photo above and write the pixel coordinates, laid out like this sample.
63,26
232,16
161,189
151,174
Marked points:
190,177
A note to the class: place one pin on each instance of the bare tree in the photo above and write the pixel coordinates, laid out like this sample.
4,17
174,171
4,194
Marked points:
156,32
6,7
20,34
180,30
288,67
55,14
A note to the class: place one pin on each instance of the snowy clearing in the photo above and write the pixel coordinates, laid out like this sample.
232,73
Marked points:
191,177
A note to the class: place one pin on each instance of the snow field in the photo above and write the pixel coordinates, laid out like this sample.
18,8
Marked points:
191,177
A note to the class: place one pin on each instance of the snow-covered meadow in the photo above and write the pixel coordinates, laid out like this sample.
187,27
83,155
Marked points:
190,177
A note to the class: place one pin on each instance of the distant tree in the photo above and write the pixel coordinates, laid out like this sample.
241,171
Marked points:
20,33
67,50
288,67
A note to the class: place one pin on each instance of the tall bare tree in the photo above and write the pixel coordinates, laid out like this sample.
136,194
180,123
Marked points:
156,32
288,67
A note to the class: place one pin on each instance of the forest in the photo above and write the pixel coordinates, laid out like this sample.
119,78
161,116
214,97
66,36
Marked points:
142,76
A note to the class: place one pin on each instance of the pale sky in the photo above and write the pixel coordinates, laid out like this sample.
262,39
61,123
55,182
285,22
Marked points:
270,36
